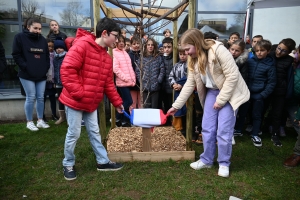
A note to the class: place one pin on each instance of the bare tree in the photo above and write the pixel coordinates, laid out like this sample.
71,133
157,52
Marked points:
239,19
29,8
72,15
149,22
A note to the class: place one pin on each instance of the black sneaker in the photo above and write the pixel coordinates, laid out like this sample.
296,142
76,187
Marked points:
69,173
276,141
118,123
256,141
126,124
237,133
110,166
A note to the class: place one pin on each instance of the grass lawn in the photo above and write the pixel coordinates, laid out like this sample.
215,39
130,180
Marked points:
31,165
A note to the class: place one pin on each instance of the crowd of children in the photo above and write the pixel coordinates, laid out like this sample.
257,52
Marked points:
261,69
233,85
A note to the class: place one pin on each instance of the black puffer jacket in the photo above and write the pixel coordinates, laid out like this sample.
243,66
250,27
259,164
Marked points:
283,74
168,63
60,34
30,52
134,56
241,62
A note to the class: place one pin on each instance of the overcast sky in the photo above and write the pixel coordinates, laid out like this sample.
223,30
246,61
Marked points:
54,7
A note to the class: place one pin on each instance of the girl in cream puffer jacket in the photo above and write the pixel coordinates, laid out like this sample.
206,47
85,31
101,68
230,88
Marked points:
221,90
125,77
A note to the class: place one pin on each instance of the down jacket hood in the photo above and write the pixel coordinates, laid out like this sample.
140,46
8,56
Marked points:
242,59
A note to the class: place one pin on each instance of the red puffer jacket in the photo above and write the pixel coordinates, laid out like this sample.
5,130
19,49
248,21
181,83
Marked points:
86,74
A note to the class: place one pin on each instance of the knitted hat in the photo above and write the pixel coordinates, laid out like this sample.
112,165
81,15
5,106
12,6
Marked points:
59,44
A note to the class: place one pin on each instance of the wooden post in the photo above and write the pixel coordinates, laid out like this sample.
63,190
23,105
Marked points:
189,114
112,108
96,13
146,140
101,107
175,44
175,38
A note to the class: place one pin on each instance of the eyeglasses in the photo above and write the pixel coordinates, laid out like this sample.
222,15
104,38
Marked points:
116,36
281,50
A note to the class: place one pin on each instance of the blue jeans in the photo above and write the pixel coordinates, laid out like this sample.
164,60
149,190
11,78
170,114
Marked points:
74,118
257,112
34,90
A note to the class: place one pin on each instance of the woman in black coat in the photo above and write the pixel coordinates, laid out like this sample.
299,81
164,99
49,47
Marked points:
31,54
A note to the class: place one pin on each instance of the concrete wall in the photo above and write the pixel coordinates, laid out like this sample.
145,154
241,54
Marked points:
276,24
13,109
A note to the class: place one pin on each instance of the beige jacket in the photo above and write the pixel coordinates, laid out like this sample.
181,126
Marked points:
225,74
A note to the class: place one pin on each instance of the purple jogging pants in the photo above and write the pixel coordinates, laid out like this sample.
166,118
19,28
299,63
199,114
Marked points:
217,126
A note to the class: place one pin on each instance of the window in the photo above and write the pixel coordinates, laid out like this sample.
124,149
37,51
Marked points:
8,32
66,12
8,10
221,24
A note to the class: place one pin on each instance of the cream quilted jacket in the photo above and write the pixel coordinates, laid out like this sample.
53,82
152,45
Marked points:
225,74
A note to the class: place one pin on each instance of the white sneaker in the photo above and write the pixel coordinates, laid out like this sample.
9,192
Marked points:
199,165
41,124
223,171
31,126
233,141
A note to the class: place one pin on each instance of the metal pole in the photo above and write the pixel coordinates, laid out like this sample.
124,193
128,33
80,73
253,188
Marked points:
246,24
196,14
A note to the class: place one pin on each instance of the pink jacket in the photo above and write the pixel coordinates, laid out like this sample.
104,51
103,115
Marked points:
122,67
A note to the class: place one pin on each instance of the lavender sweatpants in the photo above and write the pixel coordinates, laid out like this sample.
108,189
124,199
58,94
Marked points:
217,126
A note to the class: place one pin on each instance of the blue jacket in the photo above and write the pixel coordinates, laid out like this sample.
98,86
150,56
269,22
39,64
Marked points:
30,52
182,111
261,77
57,62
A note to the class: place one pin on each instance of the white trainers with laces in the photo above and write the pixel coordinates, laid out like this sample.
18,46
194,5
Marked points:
42,124
223,171
31,126
199,165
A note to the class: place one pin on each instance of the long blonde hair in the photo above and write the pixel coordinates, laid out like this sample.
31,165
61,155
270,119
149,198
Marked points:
195,37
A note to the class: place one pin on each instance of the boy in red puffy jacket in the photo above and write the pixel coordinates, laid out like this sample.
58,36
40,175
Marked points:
86,74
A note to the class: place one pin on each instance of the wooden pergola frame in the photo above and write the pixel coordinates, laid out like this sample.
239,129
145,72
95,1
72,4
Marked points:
144,12
159,14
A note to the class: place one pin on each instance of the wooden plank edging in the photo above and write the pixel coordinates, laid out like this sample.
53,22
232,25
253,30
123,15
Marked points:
152,156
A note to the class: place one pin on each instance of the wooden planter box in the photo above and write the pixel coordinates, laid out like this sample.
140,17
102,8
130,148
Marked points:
126,144
152,156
